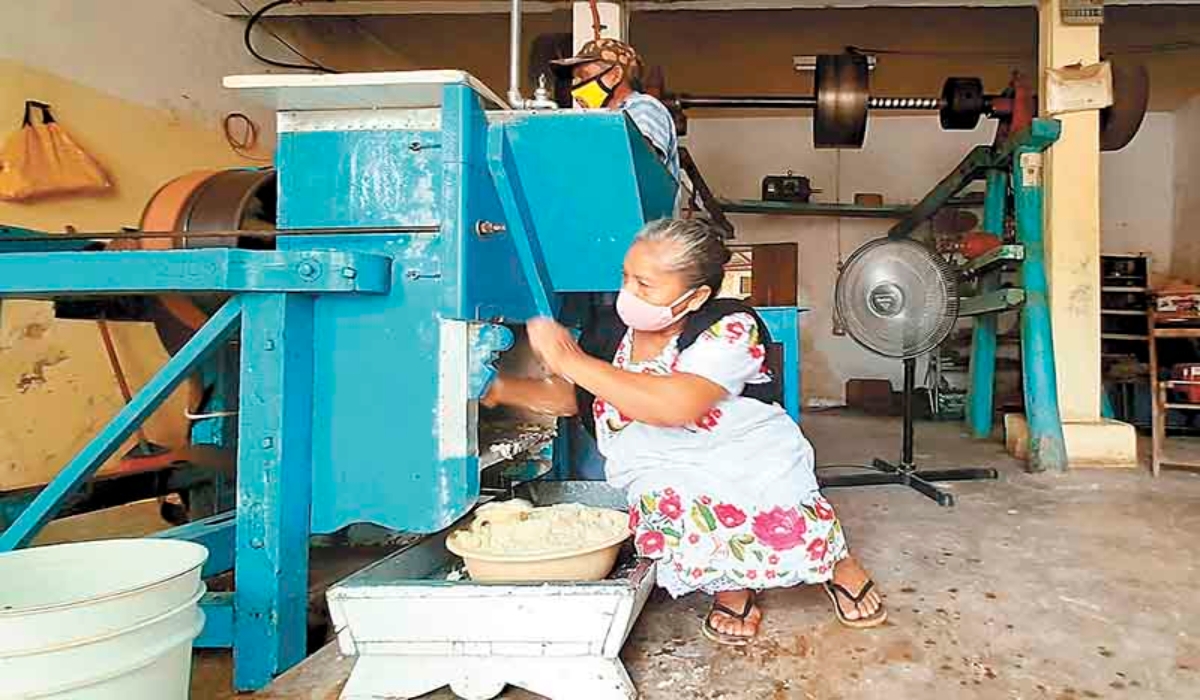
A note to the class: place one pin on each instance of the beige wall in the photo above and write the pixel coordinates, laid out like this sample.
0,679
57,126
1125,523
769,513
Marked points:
902,159
1137,197
169,55
1185,261
141,147
137,84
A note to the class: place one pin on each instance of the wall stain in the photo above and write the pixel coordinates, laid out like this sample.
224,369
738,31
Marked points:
36,376
35,330
1079,302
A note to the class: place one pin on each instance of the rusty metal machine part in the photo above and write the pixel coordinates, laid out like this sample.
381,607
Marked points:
841,102
163,211
231,200
200,201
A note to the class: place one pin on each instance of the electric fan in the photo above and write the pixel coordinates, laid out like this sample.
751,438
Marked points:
899,299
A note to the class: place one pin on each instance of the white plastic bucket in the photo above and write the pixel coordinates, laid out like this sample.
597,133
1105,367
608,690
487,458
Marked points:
109,620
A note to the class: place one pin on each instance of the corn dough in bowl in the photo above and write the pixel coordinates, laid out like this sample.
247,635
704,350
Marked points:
515,541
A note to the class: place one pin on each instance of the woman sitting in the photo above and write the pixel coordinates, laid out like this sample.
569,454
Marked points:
721,485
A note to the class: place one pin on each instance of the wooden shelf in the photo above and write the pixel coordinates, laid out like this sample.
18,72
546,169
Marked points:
1124,336
1123,312
1177,332
1124,290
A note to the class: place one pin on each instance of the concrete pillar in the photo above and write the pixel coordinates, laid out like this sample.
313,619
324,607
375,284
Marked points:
614,22
1072,181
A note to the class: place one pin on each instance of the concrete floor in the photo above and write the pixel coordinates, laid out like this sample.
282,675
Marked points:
1058,587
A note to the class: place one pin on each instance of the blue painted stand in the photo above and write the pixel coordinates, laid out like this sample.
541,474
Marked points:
982,368
784,324
1047,448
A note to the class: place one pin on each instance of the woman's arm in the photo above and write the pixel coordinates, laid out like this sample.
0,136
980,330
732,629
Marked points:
665,401
552,396
668,401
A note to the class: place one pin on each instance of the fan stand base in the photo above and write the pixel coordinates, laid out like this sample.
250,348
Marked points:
906,473
909,475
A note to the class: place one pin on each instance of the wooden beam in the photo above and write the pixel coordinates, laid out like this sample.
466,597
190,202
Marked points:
232,8
319,677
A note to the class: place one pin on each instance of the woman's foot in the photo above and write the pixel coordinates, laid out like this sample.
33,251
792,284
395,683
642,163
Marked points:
734,618
853,592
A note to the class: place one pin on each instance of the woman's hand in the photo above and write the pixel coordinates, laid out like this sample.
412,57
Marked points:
553,344
495,394
549,396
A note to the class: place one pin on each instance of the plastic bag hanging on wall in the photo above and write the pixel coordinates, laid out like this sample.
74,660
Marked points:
42,160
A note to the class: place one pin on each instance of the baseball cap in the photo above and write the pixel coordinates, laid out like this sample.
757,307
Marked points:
608,50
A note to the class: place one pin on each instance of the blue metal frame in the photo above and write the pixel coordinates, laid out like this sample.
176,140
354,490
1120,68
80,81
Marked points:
519,222
265,619
218,621
982,367
100,448
1047,447
784,324
274,487
216,269
360,344
216,533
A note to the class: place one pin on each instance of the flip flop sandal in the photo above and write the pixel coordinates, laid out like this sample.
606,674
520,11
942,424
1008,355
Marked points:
715,635
876,619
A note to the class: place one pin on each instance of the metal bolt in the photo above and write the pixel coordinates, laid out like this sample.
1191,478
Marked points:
256,543
307,270
349,273
269,345
487,228
412,275
268,443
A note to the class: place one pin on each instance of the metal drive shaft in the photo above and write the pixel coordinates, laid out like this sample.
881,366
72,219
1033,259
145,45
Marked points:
921,103
801,102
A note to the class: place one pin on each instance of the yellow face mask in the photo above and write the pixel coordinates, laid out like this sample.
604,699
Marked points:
593,93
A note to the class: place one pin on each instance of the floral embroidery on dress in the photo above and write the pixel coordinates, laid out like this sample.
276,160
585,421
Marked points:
737,531
703,543
710,420
740,329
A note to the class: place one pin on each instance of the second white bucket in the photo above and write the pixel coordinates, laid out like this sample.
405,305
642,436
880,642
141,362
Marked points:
108,620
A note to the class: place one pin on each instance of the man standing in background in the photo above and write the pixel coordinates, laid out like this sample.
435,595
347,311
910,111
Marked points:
603,76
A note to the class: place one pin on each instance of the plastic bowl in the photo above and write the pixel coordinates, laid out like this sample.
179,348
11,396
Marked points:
591,563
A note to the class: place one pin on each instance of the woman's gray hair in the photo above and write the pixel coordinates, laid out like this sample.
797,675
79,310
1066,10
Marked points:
699,253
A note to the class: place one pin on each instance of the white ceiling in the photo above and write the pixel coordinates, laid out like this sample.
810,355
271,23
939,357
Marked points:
410,7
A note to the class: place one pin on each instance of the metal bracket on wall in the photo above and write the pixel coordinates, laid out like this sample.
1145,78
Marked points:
710,203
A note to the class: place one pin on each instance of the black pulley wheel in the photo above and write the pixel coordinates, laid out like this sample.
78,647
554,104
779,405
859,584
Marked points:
1120,121
843,91
962,103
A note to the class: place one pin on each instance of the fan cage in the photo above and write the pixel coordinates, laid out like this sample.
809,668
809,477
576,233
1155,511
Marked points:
872,278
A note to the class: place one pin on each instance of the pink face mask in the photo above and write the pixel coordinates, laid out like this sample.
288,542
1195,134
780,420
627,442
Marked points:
641,315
